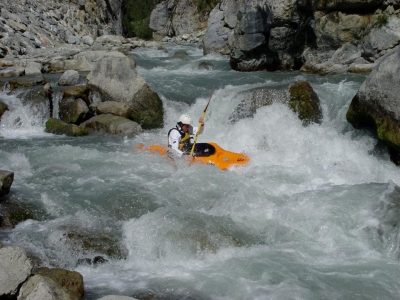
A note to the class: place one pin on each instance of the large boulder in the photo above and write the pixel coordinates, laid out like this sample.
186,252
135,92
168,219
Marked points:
116,79
112,107
217,34
73,110
377,104
70,281
69,77
6,180
42,288
305,102
57,126
15,267
111,124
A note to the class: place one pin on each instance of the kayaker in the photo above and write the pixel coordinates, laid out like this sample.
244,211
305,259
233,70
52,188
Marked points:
179,137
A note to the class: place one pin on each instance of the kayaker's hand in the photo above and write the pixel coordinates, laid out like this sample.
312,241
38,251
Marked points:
201,121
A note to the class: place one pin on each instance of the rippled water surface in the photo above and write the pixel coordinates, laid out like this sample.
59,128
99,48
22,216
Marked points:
313,216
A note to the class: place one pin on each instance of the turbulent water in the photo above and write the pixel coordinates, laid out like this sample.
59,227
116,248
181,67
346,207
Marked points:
313,216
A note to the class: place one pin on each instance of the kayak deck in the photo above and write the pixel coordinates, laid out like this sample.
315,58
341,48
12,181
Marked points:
206,153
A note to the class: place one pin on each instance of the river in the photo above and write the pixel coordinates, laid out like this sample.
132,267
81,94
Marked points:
313,216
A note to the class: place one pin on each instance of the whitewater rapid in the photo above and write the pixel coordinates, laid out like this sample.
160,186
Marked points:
313,216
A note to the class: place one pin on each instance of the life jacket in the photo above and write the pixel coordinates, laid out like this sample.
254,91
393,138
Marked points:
185,143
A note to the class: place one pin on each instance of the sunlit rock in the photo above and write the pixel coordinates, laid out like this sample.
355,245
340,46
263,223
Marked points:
116,79
111,124
70,281
376,105
15,267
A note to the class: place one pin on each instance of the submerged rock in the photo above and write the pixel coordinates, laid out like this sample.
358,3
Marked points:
305,102
6,180
377,104
98,242
111,124
257,98
57,126
14,212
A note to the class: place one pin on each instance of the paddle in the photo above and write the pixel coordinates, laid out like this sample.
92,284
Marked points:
203,114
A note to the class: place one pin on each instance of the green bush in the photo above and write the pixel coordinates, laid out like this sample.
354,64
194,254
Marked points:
381,20
206,5
136,17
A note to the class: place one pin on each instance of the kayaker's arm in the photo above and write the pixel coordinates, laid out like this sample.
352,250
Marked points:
173,143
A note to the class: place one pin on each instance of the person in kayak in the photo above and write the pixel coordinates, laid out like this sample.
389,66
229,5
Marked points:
180,137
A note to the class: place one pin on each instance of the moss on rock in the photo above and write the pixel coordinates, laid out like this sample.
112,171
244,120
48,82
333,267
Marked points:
305,102
57,126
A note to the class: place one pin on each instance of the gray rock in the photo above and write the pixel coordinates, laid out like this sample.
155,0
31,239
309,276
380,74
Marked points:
15,267
42,288
113,107
12,72
87,40
377,103
70,281
69,77
33,68
216,36
257,98
111,124
117,80
346,54
111,39
59,127
385,37
160,19
73,110
6,180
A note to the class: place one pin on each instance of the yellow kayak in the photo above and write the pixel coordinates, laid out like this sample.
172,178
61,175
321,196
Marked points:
206,153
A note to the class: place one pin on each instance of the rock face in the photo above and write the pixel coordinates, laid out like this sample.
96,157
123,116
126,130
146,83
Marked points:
15,267
261,34
377,103
69,77
27,25
170,18
6,180
116,79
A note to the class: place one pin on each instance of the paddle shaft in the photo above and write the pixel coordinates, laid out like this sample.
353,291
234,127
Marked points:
203,114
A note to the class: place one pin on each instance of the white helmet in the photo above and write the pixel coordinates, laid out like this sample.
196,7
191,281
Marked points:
185,119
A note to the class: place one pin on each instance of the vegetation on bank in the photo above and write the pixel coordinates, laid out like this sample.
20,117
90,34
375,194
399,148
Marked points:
136,17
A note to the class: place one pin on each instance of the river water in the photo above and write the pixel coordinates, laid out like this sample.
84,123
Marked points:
313,216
